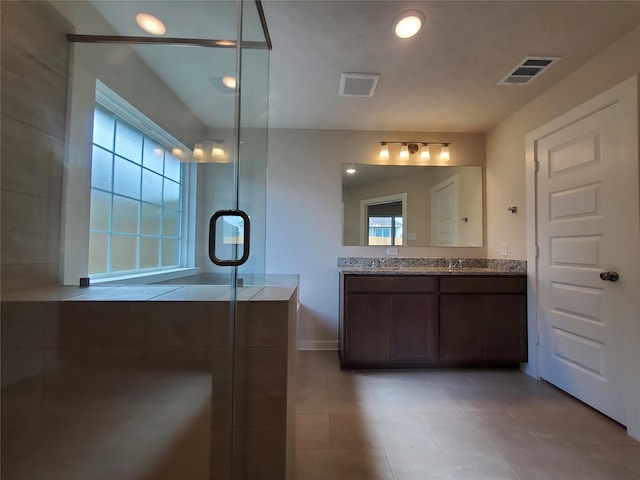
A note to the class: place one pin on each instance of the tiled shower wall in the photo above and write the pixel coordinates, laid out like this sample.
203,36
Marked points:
35,57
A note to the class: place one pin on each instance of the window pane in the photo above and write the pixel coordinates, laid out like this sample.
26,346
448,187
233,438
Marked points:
170,222
126,178
125,215
169,252
172,167
100,210
149,252
103,128
135,199
98,253
151,187
124,252
171,194
101,168
128,142
153,155
150,221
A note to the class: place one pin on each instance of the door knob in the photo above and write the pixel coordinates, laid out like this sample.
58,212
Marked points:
609,276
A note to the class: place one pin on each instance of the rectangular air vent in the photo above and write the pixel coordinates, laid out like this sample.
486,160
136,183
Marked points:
528,69
358,84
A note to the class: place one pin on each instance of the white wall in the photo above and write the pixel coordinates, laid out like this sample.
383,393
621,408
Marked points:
304,213
505,170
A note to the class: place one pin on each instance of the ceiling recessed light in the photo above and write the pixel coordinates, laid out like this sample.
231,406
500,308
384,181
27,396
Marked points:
150,24
408,24
229,81
350,170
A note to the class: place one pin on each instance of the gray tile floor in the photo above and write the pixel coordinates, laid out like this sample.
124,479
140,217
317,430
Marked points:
449,424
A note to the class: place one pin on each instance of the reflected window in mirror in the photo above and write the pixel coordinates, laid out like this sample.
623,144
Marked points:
384,222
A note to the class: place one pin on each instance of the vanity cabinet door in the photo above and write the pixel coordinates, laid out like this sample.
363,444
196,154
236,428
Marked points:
461,328
414,328
505,328
367,328
483,320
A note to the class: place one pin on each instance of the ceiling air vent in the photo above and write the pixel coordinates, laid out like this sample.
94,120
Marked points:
358,84
528,69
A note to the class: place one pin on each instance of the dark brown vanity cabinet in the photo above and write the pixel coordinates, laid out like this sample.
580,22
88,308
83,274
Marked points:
388,321
483,320
424,321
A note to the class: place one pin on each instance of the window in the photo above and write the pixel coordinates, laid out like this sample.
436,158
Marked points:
136,199
385,230
384,221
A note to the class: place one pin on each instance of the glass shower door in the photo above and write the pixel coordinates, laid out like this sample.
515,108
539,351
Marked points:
143,373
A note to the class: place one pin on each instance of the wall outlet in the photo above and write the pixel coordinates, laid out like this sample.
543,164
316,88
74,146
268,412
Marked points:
392,251
504,250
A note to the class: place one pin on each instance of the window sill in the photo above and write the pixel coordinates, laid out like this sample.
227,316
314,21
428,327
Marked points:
147,278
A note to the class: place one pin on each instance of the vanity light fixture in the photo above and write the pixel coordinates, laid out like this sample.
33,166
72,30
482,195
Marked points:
425,154
404,152
409,148
217,151
198,152
384,151
408,24
150,24
444,153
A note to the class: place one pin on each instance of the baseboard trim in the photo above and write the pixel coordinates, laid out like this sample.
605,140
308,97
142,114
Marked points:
317,345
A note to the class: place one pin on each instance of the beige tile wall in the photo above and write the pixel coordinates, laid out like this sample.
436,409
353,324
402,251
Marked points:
144,389
35,56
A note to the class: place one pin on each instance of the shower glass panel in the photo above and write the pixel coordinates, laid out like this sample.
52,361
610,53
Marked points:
150,372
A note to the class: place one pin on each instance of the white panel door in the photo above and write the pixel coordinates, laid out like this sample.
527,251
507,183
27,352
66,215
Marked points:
444,213
587,197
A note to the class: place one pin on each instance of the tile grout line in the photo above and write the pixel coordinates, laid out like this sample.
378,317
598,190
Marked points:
386,456
506,464
435,439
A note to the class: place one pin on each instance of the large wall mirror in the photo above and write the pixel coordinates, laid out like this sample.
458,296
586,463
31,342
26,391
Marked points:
436,206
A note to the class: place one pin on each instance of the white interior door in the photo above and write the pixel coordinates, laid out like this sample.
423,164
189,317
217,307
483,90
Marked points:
444,213
587,209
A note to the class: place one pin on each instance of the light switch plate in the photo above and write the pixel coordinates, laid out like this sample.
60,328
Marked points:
504,250
392,251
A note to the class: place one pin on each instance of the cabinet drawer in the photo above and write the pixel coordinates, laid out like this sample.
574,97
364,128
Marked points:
507,284
389,283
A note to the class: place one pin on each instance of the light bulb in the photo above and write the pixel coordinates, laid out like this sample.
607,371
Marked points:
217,151
198,152
425,154
229,82
404,152
444,153
176,152
150,24
384,152
350,170
408,24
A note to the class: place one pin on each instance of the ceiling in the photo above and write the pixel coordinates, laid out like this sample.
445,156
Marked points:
443,79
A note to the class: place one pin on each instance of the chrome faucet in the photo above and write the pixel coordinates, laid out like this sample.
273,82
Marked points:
457,264
378,262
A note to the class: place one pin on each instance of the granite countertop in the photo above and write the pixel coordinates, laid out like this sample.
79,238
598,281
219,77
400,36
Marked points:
430,266
426,271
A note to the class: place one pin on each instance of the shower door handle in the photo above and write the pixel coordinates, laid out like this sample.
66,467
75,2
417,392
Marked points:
228,231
